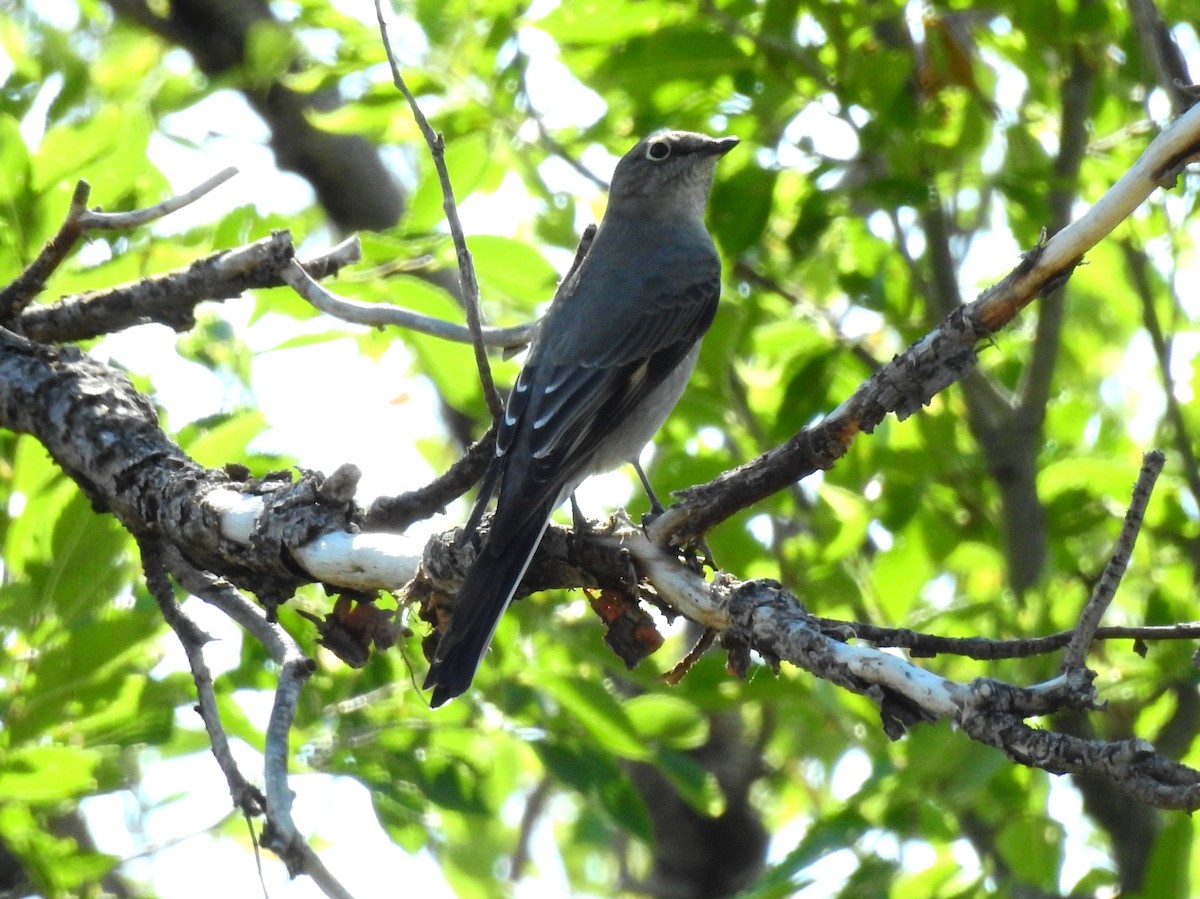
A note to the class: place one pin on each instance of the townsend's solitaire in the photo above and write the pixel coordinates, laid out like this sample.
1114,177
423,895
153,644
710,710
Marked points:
606,365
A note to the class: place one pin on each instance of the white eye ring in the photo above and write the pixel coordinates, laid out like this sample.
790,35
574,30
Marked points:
658,150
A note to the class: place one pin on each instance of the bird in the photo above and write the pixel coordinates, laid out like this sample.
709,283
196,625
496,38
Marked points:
606,365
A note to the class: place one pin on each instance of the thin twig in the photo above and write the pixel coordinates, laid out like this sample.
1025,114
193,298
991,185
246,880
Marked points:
246,797
379,314
466,268
117,221
1139,273
986,649
535,805
32,281
747,271
521,64
1160,47
1110,579
20,293
280,834
396,513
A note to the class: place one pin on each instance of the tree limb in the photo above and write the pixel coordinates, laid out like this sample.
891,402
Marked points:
938,359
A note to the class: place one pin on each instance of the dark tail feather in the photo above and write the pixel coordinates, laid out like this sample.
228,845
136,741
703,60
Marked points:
482,599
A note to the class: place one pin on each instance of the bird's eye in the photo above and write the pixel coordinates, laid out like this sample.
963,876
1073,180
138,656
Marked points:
658,151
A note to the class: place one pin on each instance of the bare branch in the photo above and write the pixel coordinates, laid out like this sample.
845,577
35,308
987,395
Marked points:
17,295
466,268
921,645
379,314
170,298
280,834
1110,579
396,513
246,797
761,615
95,220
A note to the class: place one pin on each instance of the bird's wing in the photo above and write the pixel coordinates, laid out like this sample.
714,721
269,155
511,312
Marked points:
571,394
585,397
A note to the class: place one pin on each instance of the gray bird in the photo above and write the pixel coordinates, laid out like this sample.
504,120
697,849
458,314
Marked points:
606,365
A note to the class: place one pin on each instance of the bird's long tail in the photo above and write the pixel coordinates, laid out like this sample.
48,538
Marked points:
482,599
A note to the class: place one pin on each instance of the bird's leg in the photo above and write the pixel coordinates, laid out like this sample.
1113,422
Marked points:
656,508
578,523
581,528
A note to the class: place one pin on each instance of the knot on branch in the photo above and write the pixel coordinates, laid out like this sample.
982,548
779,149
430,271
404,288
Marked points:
760,613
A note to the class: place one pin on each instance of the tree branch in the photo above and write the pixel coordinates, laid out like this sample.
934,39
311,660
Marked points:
940,358
1106,588
379,315
20,293
170,298
466,268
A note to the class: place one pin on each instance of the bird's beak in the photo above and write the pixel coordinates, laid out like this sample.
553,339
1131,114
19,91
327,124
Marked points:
722,145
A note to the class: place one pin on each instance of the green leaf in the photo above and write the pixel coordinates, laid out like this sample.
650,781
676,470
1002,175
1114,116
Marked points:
1035,845
593,22
14,161
107,149
1168,870
512,268
604,719
43,775
664,719
598,776
695,784
626,806
224,439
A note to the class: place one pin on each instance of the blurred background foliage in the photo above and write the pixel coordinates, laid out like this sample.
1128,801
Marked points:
896,159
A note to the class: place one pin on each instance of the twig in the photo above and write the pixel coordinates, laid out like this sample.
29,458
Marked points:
1138,266
1159,46
32,281
466,268
280,834
1110,579
246,797
521,64
985,649
773,48
380,314
747,271
396,513
118,221
535,805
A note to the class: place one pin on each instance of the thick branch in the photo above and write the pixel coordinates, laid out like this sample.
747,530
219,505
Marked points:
349,175
171,298
105,436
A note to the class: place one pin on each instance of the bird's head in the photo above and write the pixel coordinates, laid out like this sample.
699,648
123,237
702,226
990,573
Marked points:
667,174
